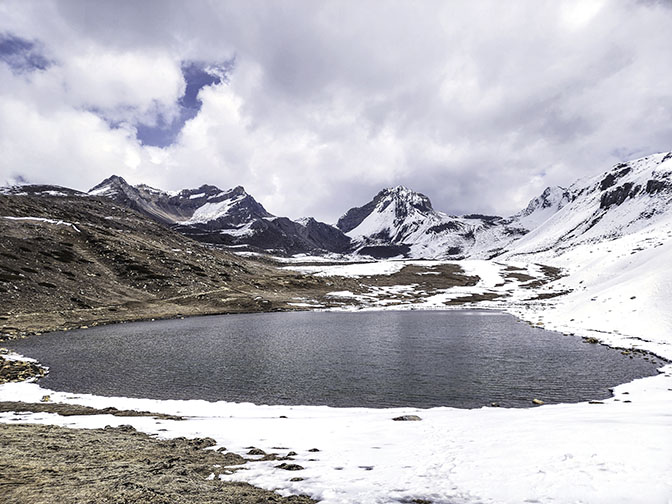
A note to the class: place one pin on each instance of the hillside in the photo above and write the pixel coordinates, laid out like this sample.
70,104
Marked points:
70,260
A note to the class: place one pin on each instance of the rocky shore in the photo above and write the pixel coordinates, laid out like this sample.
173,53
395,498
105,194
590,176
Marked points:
19,370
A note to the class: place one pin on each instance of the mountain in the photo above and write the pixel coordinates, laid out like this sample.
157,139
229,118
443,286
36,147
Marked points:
38,190
399,221
402,222
232,218
630,197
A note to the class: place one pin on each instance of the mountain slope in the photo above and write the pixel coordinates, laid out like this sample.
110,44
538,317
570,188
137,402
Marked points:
72,260
629,197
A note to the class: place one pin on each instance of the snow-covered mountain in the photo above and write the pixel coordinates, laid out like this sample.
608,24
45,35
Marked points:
401,221
629,197
232,218
626,199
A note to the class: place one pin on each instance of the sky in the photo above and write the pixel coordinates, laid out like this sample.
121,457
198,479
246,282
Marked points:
314,107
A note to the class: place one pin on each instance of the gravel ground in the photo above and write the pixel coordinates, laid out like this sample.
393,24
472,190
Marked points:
47,464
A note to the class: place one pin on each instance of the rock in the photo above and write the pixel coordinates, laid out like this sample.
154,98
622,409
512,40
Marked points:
290,467
407,418
296,479
291,454
256,451
537,401
45,398
494,404
200,443
595,402
313,450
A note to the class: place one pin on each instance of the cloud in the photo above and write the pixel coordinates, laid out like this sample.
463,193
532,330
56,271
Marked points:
479,105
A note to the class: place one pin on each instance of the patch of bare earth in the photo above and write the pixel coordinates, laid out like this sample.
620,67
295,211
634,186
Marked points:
47,464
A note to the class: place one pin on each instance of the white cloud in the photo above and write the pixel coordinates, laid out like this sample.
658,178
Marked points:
478,104
123,84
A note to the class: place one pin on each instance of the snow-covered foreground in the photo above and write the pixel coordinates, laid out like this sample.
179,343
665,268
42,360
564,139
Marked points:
618,451
613,452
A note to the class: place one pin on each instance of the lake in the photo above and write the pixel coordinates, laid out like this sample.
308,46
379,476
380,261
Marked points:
454,358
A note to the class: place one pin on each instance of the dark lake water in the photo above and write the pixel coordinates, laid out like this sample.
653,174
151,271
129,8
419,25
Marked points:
375,359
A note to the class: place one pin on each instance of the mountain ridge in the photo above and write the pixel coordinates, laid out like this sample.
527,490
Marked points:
400,222
230,218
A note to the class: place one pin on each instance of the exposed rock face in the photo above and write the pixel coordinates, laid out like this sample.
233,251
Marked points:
230,218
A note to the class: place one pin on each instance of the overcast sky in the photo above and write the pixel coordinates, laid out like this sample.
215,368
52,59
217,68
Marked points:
314,106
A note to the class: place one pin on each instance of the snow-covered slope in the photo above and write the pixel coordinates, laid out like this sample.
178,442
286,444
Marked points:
630,197
542,208
614,243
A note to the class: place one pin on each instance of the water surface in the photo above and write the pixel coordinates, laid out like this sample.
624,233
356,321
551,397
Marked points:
374,359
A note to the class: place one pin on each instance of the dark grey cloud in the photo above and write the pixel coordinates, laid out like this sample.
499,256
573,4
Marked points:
21,55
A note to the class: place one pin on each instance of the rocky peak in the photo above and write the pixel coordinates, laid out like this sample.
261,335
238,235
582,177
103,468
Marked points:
110,185
403,196
399,201
203,192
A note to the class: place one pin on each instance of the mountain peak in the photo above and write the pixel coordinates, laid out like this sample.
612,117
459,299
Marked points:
403,197
237,191
397,203
109,185
554,197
